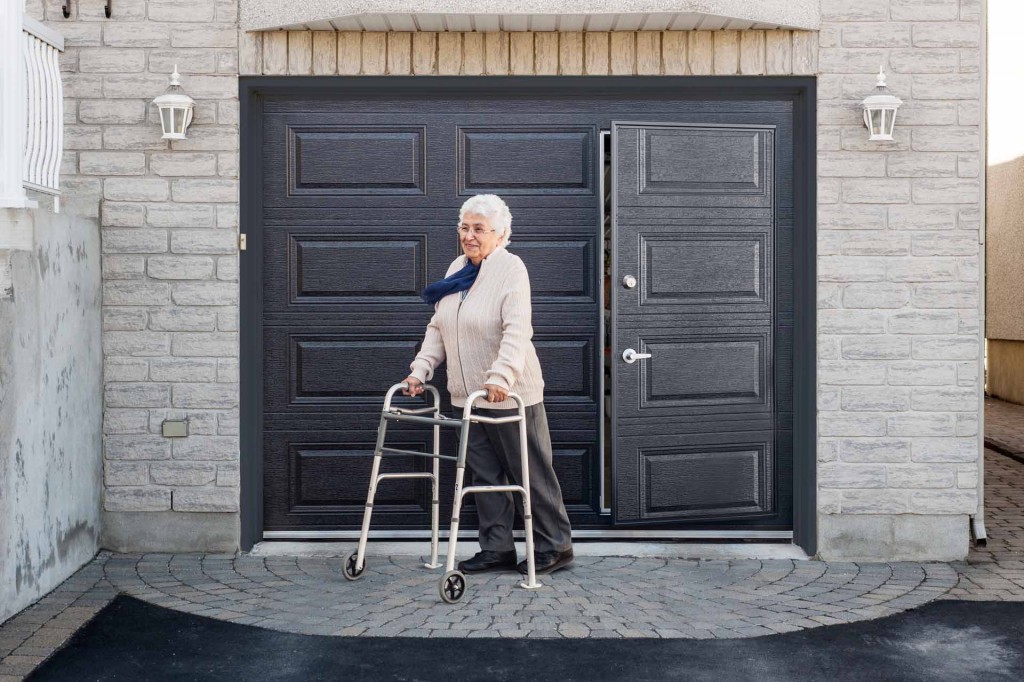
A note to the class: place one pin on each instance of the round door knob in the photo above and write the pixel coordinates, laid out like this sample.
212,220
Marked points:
629,281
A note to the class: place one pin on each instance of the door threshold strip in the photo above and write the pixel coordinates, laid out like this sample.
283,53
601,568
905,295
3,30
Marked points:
611,534
661,550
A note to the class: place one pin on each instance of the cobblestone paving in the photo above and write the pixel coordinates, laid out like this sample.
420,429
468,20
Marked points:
996,571
1004,427
599,597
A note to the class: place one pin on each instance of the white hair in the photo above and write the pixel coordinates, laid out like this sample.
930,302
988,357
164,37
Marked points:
492,207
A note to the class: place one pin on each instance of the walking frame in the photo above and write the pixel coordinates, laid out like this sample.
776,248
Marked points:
453,583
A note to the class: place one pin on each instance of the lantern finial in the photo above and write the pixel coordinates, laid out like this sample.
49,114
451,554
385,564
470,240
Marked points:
879,84
175,77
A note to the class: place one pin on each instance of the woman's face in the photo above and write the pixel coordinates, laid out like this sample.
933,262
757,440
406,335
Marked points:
478,237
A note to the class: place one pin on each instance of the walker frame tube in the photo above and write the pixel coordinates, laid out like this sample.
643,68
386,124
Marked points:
460,466
376,477
437,420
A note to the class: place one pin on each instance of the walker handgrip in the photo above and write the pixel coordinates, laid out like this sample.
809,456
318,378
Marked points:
482,393
427,388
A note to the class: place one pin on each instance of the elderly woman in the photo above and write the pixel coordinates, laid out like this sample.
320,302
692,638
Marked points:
482,327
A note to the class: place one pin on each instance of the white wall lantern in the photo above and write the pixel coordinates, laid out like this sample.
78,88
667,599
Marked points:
880,110
175,109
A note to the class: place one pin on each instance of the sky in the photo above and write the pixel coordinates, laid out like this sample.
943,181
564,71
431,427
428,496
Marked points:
1005,80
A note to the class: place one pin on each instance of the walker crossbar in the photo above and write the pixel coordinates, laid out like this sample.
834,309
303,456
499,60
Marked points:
453,582
433,421
398,451
494,489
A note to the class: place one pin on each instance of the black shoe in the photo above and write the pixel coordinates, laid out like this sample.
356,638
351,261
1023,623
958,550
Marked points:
548,562
488,560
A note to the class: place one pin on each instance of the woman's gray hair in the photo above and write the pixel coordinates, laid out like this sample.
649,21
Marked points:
492,207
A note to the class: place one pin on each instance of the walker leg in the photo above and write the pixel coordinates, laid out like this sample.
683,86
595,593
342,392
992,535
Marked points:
357,562
531,564
435,501
460,472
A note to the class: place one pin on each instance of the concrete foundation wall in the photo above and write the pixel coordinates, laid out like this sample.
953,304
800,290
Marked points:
50,403
888,537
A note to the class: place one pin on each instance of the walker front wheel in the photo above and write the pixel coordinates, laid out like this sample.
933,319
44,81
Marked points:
452,586
350,571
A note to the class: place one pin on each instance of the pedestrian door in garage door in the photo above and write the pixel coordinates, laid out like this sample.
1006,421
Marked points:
702,378
351,192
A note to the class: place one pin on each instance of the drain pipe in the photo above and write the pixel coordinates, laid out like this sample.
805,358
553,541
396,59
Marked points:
978,519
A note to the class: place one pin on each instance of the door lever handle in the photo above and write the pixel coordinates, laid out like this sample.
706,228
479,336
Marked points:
631,356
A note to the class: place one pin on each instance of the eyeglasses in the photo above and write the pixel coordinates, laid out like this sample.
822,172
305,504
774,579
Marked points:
463,230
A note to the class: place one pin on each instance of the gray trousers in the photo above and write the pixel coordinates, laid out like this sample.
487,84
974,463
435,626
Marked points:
493,459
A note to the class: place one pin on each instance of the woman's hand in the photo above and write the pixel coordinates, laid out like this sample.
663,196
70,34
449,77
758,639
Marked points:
415,386
495,394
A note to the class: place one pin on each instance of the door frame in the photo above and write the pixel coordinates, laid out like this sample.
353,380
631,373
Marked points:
801,90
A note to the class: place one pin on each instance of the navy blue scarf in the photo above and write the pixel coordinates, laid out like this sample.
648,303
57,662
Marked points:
458,281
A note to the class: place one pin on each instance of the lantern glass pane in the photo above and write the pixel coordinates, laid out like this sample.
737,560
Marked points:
876,121
165,120
892,123
179,119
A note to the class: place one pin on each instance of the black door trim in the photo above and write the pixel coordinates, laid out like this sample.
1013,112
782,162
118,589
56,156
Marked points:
800,90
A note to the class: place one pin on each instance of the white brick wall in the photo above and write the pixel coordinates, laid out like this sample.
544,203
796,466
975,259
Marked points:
898,261
897,225
169,224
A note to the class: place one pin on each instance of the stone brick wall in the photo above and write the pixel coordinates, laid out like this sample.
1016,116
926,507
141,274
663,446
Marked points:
169,216
898,228
898,259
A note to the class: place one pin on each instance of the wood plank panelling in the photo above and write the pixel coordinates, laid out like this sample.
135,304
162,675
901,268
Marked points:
570,53
496,53
752,53
551,53
449,54
424,53
596,53
300,53
648,53
400,53
349,52
325,53
473,54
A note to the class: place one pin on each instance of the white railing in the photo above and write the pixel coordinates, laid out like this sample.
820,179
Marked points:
44,129
31,107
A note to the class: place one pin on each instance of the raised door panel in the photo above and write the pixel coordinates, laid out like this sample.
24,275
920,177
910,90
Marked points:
327,270
698,166
712,478
356,160
685,268
709,371
527,160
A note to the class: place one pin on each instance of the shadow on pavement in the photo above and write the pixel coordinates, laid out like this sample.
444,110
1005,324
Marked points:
945,640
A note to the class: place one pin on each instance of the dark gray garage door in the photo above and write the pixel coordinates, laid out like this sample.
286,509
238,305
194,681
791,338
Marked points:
356,208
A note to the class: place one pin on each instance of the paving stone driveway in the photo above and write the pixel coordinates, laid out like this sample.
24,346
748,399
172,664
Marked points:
599,597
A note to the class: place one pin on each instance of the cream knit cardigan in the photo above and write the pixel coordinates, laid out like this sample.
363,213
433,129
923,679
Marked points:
486,336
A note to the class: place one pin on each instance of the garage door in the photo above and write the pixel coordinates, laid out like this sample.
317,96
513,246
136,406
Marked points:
356,209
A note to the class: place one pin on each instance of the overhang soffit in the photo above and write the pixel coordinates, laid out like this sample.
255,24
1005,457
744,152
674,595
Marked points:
528,15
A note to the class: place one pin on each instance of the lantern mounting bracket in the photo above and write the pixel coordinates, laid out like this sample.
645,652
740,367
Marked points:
65,9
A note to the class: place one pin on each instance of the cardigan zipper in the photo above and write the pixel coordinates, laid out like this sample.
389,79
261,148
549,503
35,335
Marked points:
458,339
